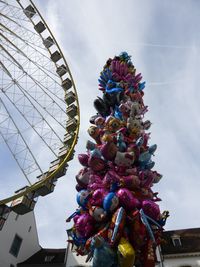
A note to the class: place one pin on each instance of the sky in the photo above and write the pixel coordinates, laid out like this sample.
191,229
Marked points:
163,38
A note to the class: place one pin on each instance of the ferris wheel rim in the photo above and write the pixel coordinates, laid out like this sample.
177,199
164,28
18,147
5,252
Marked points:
63,163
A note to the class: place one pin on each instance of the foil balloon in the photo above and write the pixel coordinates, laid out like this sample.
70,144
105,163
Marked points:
98,196
110,202
126,199
84,225
104,255
83,159
126,253
151,209
117,225
83,197
98,213
109,150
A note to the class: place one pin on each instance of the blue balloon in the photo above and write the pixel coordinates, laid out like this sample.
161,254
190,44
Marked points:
110,202
144,157
104,256
141,86
82,197
152,149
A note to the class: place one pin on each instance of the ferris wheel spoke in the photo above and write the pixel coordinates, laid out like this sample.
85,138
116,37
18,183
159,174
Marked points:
16,143
35,124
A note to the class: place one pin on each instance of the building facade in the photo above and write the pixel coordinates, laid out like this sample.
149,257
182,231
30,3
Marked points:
18,239
181,248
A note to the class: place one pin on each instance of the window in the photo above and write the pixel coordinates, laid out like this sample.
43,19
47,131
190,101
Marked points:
176,241
16,244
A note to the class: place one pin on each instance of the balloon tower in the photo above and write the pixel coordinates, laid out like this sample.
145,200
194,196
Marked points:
118,222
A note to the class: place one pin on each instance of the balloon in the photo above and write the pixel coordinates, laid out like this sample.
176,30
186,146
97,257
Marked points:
117,226
126,199
124,159
90,145
77,240
109,150
144,157
130,181
111,178
95,182
83,159
98,196
98,213
137,230
102,108
83,197
95,133
152,149
85,225
111,87
120,142
99,122
82,177
104,255
110,202
126,252
113,124
151,209
96,163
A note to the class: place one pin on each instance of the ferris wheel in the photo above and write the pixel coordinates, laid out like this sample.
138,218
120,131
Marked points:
39,108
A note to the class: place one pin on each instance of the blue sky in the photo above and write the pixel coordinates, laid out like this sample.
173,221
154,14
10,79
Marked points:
163,38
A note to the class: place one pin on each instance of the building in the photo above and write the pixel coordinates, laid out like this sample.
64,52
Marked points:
181,248
18,239
46,257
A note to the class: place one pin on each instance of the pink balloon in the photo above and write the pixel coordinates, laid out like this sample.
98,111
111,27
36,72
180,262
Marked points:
151,209
110,178
83,159
98,197
95,182
96,163
126,199
85,225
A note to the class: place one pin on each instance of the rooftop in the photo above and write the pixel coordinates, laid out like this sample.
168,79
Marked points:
181,241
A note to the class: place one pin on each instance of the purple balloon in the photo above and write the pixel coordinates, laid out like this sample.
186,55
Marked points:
95,182
83,159
85,225
110,178
151,209
98,197
126,199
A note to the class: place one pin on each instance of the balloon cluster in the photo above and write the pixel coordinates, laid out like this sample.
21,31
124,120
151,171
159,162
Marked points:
118,222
